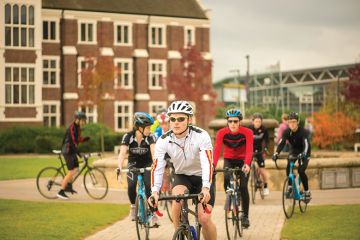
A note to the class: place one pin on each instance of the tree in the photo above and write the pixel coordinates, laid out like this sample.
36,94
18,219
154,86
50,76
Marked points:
352,87
192,82
97,81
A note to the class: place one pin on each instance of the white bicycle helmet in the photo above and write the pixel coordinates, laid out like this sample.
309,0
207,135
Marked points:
180,107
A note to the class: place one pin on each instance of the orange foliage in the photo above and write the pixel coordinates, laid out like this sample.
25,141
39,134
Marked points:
332,129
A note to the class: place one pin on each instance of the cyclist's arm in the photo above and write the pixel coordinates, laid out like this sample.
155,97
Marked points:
306,144
206,159
282,141
218,146
123,149
152,140
72,142
249,146
158,166
266,138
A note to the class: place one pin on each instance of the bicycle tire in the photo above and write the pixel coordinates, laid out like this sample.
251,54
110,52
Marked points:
141,218
95,183
231,218
182,233
168,207
48,182
288,200
253,182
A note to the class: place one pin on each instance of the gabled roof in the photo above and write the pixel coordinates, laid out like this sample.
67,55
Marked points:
168,8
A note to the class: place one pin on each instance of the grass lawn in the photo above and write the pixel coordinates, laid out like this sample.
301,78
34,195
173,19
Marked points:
13,167
324,222
38,220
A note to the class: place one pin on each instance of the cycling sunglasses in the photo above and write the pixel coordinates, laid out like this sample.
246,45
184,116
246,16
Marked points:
179,119
233,121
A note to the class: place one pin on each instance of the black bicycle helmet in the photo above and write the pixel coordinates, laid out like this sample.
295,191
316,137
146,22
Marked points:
142,119
294,115
257,115
234,113
80,115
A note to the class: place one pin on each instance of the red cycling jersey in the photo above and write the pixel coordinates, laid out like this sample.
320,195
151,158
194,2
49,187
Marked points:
237,145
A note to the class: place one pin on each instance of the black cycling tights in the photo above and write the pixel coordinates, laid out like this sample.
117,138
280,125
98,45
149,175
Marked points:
243,184
132,181
301,171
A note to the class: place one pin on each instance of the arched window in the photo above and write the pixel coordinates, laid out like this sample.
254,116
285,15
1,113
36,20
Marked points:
31,15
7,14
23,14
15,14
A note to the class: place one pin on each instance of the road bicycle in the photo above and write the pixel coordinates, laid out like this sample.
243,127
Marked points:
143,213
168,181
49,179
185,229
256,181
293,190
232,208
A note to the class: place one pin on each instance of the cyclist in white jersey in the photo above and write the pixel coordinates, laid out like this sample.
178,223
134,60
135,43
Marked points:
191,153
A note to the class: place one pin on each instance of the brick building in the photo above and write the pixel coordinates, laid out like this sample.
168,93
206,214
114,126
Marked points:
45,43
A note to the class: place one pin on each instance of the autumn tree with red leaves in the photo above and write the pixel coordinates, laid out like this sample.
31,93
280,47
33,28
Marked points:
192,82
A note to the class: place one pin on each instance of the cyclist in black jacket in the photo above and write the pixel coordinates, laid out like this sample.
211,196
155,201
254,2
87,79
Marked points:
70,152
261,143
299,145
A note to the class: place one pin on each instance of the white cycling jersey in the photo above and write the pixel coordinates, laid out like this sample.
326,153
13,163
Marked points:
191,155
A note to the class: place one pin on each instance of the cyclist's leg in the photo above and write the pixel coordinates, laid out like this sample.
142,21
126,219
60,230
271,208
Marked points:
288,171
244,190
261,163
72,165
132,181
227,164
303,176
147,182
181,184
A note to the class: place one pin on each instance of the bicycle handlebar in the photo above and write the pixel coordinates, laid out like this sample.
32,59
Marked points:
135,170
290,157
229,170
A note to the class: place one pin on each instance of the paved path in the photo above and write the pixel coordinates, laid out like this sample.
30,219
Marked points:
266,216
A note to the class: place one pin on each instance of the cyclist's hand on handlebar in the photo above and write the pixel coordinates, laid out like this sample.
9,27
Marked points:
206,195
246,169
153,199
275,156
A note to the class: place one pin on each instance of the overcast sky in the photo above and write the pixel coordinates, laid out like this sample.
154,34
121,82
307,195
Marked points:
299,34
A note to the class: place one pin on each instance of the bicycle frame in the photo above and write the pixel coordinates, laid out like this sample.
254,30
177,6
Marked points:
295,183
141,192
82,169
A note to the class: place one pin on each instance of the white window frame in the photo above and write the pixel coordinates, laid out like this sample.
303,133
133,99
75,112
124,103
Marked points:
163,72
49,20
20,83
130,104
93,114
163,36
79,69
130,37
119,83
57,114
87,22
27,26
57,71
186,29
158,105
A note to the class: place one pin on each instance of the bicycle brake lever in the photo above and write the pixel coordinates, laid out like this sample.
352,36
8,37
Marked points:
155,209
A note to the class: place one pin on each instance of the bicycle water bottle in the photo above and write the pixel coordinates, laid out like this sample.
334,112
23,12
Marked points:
193,232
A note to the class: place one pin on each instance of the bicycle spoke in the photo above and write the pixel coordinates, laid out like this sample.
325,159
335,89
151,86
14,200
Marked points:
288,199
49,181
95,183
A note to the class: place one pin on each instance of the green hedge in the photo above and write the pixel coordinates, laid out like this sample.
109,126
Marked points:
24,139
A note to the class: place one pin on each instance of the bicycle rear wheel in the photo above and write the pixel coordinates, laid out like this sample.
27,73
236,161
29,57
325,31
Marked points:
95,183
232,218
141,219
182,233
48,182
288,199
253,182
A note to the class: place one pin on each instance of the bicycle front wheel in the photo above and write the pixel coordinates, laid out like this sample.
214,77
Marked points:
48,182
182,233
141,218
288,199
253,182
95,183
232,218
302,203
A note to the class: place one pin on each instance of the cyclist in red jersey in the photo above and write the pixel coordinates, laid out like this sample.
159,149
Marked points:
238,149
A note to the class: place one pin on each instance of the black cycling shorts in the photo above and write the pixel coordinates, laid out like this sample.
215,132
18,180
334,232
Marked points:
260,159
71,161
194,185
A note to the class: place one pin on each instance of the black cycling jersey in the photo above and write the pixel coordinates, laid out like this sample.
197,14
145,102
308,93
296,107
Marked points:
298,141
139,156
261,138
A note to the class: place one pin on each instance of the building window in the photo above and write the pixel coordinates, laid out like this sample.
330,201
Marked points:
124,76
189,35
19,85
51,114
155,107
157,36
50,71
84,67
91,113
87,32
19,26
157,74
123,34
123,116
50,30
